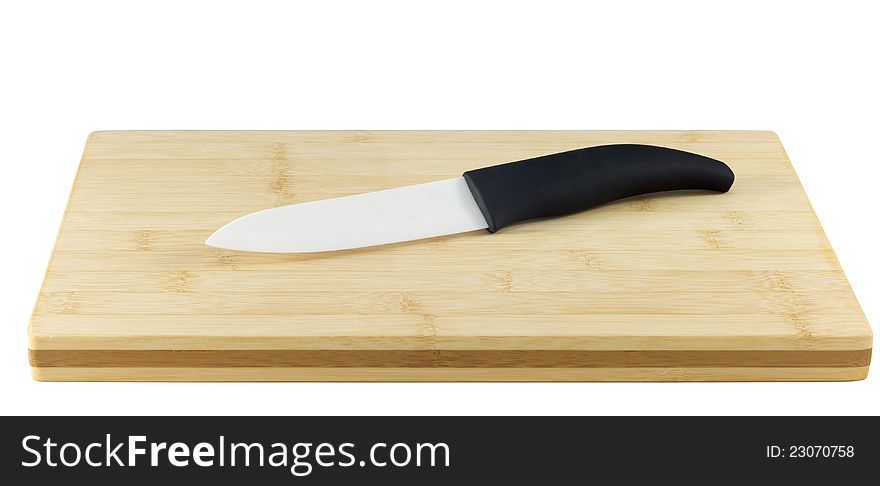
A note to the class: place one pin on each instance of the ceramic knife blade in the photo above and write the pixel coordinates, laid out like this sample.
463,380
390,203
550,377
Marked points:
374,218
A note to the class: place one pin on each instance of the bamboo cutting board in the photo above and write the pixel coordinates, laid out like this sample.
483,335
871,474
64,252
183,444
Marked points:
666,287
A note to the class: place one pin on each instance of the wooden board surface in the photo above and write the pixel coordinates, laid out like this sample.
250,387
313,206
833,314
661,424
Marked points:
668,287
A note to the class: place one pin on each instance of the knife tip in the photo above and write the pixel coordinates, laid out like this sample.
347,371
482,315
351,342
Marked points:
213,240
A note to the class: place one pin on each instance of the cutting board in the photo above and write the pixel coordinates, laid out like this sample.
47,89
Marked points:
664,287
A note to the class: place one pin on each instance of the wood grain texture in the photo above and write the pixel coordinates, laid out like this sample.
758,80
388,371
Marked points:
666,287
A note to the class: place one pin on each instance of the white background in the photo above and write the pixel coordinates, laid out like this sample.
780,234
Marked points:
807,70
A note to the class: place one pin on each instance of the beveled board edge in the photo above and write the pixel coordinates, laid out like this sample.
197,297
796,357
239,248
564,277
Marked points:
409,342
444,359
449,374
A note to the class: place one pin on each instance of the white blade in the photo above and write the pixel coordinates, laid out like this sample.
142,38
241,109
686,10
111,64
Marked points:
374,218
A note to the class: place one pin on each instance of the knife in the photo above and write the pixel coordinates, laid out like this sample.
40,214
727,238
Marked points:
489,198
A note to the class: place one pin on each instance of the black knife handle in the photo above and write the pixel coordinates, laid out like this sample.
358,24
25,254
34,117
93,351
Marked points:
573,181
